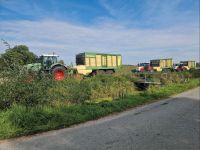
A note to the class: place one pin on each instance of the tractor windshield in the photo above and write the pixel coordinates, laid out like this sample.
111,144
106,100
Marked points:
48,61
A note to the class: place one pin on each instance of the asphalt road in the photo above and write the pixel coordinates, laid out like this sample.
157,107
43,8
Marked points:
170,124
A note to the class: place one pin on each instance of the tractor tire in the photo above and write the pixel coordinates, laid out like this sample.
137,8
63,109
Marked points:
59,73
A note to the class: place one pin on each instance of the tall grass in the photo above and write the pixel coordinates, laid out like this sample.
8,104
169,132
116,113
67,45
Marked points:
42,91
29,105
18,87
21,120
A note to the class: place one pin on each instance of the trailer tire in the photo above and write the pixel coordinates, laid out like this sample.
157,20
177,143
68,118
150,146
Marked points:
109,71
99,72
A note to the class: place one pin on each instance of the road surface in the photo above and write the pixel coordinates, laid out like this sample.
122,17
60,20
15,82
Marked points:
170,124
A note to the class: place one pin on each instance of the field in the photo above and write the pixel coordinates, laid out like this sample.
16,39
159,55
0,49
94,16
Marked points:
31,105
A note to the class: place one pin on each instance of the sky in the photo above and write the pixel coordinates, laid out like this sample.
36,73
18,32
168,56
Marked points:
140,30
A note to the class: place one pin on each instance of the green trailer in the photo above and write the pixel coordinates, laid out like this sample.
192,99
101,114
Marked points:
97,63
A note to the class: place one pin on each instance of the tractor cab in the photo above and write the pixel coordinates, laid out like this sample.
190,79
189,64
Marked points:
142,67
176,65
181,67
48,60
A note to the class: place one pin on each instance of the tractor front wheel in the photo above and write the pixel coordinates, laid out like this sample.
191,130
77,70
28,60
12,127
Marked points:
59,73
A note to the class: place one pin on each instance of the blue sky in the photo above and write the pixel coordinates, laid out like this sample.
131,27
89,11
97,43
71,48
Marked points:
138,29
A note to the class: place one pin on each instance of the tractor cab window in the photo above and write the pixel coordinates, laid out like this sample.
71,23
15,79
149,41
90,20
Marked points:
38,60
54,59
48,61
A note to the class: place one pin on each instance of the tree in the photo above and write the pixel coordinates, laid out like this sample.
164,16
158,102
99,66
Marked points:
18,55
2,63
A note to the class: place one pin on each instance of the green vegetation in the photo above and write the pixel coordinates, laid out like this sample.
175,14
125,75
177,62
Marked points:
33,102
18,55
42,104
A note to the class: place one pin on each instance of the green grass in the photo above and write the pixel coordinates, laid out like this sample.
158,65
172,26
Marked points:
20,120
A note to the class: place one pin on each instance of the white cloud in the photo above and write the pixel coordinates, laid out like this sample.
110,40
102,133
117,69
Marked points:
180,42
153,13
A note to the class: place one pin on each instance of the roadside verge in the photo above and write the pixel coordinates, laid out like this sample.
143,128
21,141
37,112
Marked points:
19,120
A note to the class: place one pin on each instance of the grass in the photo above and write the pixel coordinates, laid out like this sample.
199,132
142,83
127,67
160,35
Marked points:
21,120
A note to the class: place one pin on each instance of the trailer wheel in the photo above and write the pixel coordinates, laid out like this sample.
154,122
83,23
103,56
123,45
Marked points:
109,71
59,73
99,72
93,73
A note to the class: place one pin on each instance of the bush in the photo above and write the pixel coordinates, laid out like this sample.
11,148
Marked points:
18,86
68,91
105,86
23,92
195,73
174,77
90,89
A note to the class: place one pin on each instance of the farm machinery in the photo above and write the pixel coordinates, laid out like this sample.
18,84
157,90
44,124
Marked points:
86,64
144,67
188,65
185,65
49,64
156,65
166,65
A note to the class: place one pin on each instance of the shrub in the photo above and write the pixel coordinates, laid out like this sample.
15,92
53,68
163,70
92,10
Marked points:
78,91
68,91
23,92
103,86
174,77
195,73
17,87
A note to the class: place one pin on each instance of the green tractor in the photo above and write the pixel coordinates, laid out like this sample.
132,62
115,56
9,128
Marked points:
49,64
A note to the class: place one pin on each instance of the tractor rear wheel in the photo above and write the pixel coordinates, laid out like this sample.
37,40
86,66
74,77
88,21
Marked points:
59,73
